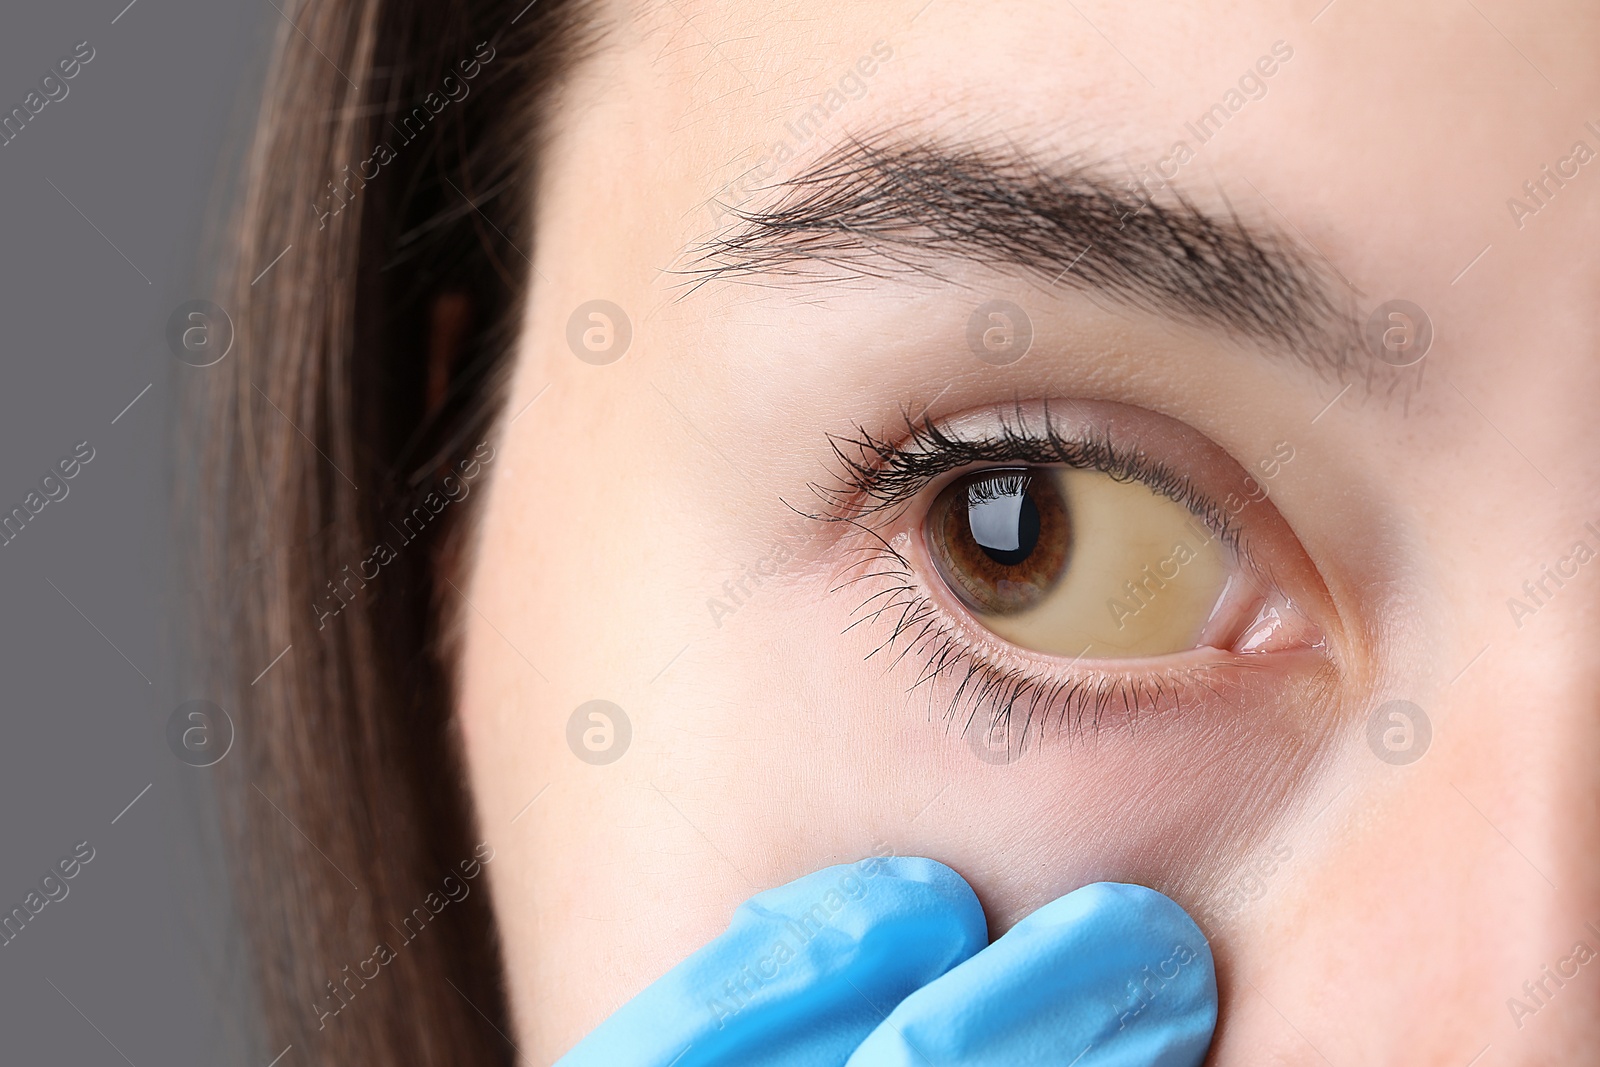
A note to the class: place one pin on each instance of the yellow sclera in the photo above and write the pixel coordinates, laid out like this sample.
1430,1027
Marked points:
1143,577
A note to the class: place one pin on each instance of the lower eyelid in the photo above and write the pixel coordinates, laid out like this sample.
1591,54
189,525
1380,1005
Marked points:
975,682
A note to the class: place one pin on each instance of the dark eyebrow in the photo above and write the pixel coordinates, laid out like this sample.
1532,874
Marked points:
881,206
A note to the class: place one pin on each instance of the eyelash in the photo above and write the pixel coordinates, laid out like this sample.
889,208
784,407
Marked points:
878,479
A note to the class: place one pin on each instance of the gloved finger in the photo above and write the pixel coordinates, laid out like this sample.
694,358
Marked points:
1110,975
798,977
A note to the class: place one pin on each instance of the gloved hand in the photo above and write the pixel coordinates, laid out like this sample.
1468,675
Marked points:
1110,975
883,963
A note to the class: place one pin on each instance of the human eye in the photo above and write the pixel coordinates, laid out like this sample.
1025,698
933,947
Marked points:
1067,563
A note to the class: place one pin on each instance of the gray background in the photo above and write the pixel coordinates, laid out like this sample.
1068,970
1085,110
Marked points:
138,963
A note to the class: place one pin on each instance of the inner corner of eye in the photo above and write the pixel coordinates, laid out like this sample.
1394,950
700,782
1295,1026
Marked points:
1073,562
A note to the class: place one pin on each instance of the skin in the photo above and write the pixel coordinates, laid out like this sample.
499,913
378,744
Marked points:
1415,899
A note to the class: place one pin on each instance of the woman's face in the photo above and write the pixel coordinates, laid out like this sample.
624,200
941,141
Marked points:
1186,215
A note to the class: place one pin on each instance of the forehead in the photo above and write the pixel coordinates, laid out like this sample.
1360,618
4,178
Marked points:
1411,125
1127,73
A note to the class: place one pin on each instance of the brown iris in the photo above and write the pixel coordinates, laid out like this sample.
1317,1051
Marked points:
1000,538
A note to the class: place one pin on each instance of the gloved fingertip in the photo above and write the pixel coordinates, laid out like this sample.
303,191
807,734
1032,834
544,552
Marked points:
880,887
1110,975
803,972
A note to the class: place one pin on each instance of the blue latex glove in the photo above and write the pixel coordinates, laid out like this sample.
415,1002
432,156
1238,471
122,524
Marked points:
884,962
1109,975
852,937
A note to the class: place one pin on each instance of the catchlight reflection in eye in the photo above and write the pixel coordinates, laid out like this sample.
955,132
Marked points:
1071,562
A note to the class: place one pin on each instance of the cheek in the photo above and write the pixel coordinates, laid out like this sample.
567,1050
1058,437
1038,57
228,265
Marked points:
777,749
1182,801
617,870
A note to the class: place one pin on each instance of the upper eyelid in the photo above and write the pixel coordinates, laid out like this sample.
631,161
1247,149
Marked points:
883,476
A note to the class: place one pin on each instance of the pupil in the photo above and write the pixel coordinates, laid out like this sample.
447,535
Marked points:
1003,519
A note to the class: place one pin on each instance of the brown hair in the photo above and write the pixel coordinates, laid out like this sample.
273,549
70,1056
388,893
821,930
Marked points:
344,790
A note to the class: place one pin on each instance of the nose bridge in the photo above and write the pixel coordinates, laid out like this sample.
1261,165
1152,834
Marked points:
1546,808
1570,754
1454,880
1561,783
1514,791
1529,716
